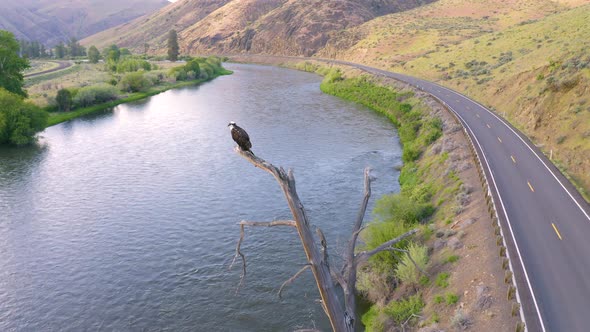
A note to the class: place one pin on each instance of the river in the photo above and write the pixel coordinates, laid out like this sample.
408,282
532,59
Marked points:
126,220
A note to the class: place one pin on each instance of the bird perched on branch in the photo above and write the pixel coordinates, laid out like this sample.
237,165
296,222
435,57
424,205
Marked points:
240,136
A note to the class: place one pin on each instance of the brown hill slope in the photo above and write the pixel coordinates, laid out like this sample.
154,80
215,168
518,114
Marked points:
51,21
294,27
528,59
153,29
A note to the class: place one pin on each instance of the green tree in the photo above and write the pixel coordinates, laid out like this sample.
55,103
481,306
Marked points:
64,100
93,54
11,64
113,53
134,82
60,50
173,46
193,66
19,121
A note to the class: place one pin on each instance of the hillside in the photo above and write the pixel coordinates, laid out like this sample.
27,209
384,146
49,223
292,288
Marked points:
529,60
51,21
293,27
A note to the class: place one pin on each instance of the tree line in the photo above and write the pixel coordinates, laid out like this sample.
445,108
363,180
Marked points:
21,120
37,50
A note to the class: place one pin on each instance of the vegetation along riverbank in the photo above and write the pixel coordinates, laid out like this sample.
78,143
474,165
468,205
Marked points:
462,285
97,81
88,88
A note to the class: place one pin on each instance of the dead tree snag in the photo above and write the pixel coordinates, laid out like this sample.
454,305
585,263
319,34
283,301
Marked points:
342,317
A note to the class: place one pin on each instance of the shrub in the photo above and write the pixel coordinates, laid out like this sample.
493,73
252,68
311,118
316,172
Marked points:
178,73
134,82
333,75
439,299
372,320
399,208
19,120
406,271
207,71
452,259
451,298
403,310
64,100
411,153
193,66
378,233
373,285
461,320
95,94
130,65
442,279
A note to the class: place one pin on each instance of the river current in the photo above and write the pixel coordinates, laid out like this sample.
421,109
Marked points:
127,220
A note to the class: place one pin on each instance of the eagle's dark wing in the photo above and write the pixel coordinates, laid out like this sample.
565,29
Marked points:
241,137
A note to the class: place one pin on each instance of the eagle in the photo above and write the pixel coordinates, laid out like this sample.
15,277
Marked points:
240,136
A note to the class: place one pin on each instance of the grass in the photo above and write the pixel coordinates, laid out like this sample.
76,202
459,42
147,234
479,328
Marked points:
406,271
423,180
451,298
442,280
403,310
451,259
52,76
59,117
438,299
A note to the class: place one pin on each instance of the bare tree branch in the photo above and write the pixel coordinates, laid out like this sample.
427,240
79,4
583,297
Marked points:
362,257
324,244
239,253
341,319
361,214
290,280
239,245
330,301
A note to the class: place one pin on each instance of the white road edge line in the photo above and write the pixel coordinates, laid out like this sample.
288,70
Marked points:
401,78
507,219
527,145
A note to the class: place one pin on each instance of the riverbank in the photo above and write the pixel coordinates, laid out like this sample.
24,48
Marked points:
59,117
465,286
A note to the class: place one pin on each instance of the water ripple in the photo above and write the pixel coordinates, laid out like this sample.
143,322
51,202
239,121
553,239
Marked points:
126,220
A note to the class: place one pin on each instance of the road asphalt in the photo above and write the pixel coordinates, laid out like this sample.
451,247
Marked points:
545,221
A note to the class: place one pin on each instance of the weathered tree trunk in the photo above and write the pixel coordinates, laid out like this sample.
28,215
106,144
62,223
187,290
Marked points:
342,318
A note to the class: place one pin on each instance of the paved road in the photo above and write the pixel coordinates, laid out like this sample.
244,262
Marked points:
61,65
545,220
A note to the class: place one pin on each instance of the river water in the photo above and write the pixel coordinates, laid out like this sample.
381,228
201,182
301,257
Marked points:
126,220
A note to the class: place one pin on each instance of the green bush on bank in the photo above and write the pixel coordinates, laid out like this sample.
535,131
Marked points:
395,213
129,64
19,120
95,94
407,272
134,82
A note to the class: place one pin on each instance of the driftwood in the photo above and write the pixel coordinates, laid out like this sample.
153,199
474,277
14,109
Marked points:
342,317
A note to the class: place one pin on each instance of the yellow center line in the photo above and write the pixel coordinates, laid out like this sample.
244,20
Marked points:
530,186
499,140
513,160
556,231
488,125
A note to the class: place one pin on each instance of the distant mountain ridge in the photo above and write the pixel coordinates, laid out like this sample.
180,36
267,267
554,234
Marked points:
52,21
293,27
